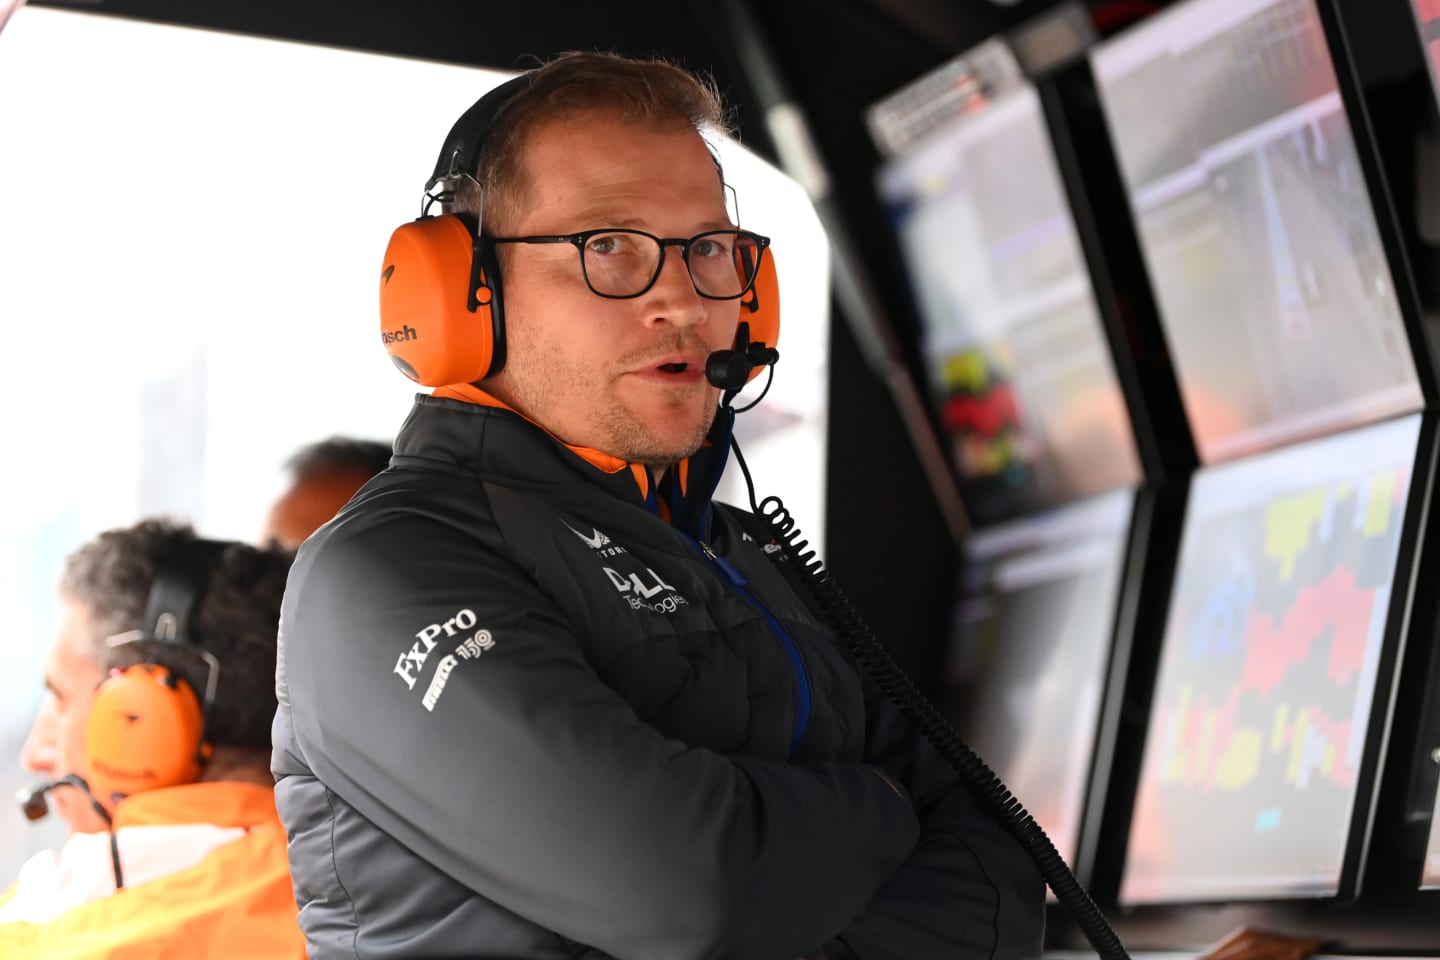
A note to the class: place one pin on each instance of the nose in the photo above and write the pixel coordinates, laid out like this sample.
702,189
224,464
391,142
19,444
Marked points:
673,298
38,752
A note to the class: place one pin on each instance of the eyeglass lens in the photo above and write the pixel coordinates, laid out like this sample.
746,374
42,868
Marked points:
623,264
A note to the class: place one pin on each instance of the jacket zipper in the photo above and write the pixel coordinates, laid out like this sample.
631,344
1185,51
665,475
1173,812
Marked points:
739,583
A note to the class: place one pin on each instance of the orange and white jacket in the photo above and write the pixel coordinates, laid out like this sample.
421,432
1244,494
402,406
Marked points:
205,876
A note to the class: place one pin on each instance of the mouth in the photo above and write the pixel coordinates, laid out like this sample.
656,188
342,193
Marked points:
678,369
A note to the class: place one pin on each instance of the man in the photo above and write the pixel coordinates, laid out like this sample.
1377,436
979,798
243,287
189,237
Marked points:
323,476
169,629
538,696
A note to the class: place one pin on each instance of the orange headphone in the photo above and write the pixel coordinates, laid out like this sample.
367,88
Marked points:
441,309
146,729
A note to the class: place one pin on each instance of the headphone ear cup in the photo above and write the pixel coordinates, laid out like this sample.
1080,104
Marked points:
426,323
145,731
761,306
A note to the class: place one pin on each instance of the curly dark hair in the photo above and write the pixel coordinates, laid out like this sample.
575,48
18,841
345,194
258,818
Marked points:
236,621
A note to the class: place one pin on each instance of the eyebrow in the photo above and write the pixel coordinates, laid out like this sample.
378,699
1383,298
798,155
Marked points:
635,223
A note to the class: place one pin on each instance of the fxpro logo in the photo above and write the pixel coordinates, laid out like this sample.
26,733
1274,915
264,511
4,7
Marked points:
657,597
410,662
406,332
597,541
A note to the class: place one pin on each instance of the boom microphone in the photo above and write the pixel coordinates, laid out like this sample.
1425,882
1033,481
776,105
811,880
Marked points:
32,799
730,369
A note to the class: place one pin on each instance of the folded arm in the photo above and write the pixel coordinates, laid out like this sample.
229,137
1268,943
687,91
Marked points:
968,890
525,778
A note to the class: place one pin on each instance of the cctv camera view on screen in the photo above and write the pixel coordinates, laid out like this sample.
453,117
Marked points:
1257,228
1030,640
1428,13
1268,669
1019,369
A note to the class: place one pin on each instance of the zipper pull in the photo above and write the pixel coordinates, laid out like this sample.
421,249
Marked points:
736,577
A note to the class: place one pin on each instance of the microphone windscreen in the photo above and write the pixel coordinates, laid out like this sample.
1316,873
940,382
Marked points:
727,369
32,801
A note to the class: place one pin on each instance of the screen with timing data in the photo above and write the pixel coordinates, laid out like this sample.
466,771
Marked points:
1256,224
1028,651
1428,13
1268,669
1020,373
1430,879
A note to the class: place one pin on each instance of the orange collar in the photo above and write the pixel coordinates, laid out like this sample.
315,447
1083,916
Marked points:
602,461
224,803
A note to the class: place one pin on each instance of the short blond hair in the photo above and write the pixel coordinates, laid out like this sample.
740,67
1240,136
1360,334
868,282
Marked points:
650,93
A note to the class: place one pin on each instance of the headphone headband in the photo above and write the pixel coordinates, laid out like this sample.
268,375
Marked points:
177,590
463,144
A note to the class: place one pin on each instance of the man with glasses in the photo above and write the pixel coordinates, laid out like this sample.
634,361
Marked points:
539,696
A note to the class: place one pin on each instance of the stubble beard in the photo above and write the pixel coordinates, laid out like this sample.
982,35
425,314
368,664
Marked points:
618,429
633,440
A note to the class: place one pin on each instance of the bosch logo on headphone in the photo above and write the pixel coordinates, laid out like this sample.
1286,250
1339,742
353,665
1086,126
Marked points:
405,333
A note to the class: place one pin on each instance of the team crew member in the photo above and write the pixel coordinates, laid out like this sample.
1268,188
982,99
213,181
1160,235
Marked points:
539,696
322,477
153,742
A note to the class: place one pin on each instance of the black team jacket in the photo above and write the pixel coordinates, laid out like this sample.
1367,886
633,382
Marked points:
531,707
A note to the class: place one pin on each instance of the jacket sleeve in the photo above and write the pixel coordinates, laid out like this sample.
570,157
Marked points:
969,889
430,684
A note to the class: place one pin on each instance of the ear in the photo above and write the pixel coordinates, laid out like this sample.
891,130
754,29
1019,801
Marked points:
440,315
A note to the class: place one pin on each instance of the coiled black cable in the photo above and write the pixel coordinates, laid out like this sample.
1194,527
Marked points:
876,662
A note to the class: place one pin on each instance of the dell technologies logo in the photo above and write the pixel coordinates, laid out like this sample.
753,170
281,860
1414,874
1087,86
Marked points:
656,596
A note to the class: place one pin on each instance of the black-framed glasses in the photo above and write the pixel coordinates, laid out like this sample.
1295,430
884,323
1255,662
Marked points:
620,264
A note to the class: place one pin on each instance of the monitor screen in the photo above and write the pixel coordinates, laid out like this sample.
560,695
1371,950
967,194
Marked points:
1028,651
1428,13
1019,370
1430,877
1268,669
1276,299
